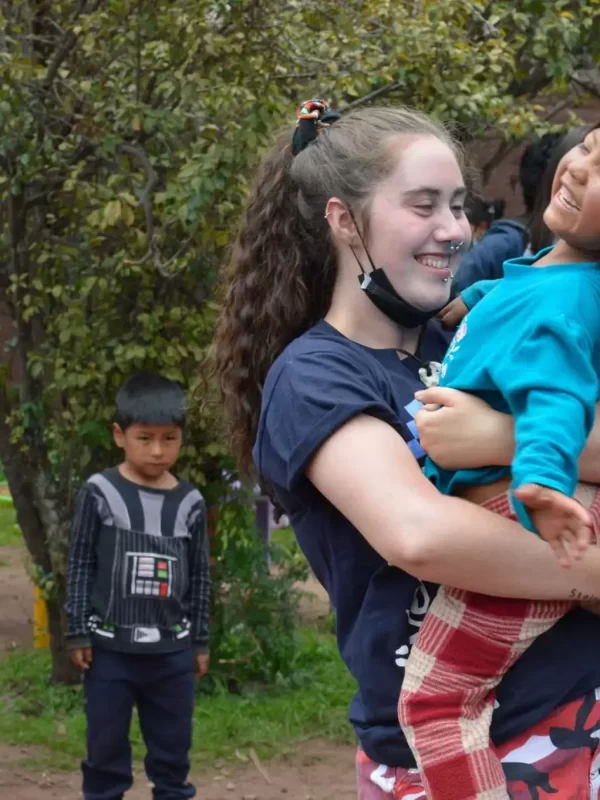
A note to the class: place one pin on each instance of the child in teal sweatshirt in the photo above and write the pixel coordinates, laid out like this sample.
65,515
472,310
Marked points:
528,346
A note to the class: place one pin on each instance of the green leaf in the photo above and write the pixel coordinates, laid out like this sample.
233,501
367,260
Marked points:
36,369
112,211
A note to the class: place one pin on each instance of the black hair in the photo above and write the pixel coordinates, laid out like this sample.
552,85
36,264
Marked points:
480,211
534,162
147,399
499,205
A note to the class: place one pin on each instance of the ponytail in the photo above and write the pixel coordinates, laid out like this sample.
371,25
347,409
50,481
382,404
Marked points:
279,283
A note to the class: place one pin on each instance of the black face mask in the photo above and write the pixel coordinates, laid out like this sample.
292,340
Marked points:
381,293
378,288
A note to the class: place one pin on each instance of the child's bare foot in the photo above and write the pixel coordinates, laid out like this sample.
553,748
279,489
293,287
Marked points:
560,520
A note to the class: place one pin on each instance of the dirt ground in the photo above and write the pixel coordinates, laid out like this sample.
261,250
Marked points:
307,774
16,600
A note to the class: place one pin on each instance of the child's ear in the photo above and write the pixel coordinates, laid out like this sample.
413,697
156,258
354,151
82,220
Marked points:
118,435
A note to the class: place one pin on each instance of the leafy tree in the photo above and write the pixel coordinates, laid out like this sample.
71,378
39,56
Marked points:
129,130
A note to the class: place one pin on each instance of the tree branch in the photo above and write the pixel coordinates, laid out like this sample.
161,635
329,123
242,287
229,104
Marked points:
588,79
138,53
154,254
15,463
295,76
144,197
489,31
371,96
56,182
505,148
64,48
67,43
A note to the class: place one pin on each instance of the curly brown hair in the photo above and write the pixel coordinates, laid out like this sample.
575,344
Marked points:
281,274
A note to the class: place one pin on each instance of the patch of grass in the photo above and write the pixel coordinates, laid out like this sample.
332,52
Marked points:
313,703
10,534
283,537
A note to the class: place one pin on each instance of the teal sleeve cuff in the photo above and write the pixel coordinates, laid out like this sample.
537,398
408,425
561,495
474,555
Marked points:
473,294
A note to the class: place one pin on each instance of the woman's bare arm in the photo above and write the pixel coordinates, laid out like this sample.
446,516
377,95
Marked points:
367,471
589,461
465,433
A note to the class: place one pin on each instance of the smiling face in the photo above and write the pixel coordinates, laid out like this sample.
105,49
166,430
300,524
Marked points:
415,214
574,211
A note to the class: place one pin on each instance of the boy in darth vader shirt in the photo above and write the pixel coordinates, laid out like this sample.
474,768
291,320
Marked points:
138,594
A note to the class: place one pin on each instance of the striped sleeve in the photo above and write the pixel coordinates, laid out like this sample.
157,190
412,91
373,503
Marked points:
199,576
81,567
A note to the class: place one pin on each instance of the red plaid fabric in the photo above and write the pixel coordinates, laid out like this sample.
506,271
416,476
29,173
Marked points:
556,759
468,641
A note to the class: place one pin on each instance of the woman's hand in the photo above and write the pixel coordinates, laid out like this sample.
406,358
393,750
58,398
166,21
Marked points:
460,431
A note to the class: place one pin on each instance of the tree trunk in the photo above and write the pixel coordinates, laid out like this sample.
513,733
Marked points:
63,670
37,542
21,481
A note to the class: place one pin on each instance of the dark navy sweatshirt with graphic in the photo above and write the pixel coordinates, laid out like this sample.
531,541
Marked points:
138,576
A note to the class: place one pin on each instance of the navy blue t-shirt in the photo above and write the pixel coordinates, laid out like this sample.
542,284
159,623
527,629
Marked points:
320,382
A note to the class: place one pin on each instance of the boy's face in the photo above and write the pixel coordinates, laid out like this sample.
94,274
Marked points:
150,449
574,210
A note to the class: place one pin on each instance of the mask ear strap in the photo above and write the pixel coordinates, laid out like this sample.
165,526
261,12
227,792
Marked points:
417,354
362,269
362,241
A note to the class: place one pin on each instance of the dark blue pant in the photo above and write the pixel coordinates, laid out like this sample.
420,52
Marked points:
162,688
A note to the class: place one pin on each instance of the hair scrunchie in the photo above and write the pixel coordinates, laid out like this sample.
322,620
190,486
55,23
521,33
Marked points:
313,117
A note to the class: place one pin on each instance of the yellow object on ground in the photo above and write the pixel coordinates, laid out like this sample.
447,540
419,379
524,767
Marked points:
41,637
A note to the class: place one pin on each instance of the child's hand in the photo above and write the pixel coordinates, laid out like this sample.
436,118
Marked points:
202,661
82,657
453,314
560,520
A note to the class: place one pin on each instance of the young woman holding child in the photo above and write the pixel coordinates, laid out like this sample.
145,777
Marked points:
344,256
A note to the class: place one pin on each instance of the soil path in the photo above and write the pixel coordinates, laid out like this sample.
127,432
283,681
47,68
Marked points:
315,771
